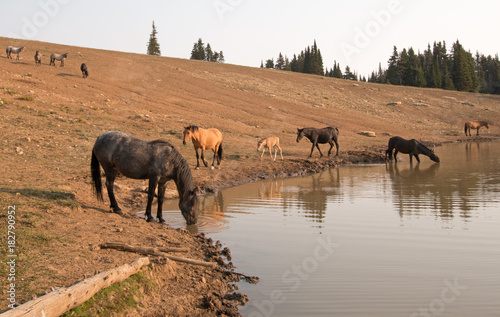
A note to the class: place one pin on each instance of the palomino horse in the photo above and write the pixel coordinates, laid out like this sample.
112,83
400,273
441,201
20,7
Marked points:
475,125
411,147
271,143
321,136
54,57
38,58
204,139
15,50
85,71
157,161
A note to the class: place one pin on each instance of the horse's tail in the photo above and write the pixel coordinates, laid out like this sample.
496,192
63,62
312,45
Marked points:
95,170
219,153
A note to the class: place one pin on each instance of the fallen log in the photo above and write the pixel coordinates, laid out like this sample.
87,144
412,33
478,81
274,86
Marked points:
153,251
60,301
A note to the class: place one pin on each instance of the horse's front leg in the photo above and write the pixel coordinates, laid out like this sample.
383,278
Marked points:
312,149
416,156
263,151
396,156
197,159
320,153
477,131
161,196
203,157
153,181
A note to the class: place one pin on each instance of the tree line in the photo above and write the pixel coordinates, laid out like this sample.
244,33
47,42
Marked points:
309,61
437,68
434,68
199,51
205,53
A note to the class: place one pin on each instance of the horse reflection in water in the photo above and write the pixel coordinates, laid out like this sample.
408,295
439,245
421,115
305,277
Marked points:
411,147
408,198
270,190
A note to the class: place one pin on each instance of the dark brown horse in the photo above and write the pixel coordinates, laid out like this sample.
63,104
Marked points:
320,136
475,125
85,70
158,161
411,147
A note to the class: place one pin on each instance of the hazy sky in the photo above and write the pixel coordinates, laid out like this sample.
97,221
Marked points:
356,33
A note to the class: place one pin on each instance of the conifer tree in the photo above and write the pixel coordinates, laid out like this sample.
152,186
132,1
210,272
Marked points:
153,46
221,58
280,62
337,72
198,51
393,71
209,55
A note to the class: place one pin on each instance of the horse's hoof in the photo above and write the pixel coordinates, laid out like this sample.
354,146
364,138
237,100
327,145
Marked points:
211,167
118,211
161,220
197,168
150,219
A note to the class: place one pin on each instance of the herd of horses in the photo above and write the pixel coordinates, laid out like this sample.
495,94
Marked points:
53,58
159,161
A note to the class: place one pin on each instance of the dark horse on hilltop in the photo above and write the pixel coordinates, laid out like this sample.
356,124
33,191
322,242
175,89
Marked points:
85,70
475,125
411,147
157,161
320,136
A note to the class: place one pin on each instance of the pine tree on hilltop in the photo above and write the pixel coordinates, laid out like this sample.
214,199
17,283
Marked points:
198,51
153,46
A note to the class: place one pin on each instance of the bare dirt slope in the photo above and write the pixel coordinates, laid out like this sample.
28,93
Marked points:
51,116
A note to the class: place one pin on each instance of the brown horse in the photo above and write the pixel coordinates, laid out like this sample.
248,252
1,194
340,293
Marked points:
411,147
271,143
204,139
475,125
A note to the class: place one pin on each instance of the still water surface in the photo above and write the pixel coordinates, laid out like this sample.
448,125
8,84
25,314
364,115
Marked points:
372,240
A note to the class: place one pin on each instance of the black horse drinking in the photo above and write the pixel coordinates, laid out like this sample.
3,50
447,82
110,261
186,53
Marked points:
157,161
411,147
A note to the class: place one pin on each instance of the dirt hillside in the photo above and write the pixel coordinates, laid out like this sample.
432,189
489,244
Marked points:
50,117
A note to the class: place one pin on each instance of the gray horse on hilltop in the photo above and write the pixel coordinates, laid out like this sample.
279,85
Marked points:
38,58
58,57
15,50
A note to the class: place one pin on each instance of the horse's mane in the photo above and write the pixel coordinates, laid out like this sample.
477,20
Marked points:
192,128
184,178
425,150
159,141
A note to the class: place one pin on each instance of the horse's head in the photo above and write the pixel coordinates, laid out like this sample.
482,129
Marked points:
260,144
300,134
434,157
187,135
189,206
